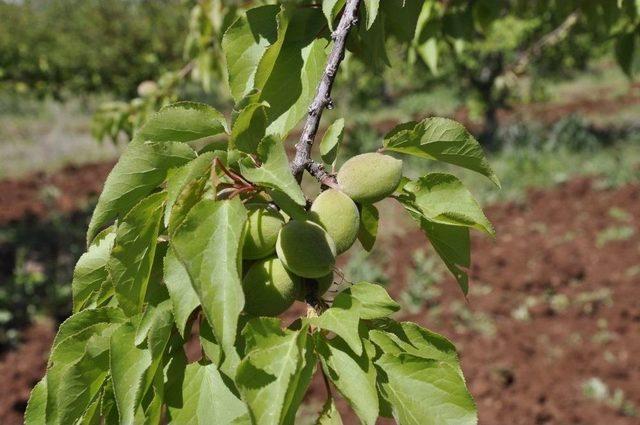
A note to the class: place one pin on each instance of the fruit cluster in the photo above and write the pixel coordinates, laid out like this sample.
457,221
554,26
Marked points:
292,259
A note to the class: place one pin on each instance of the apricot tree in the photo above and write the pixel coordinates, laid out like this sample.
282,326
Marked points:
203,231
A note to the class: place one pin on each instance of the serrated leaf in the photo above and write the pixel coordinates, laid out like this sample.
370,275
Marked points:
81,381
133,253
443,140
452,243
343,319
79,323
244,44
368,231
329,414
91,271
293,82
180,178
396,338
291,68
353,375
182,122
36,413
274,172
442,198
270,376
426,392
208,244
331,141
374,301
249,127
206,398
128,365
141,168
184,298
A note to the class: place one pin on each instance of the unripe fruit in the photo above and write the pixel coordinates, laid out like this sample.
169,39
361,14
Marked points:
324,283
269,288
306,249
319,286
339,216
370,177
261,231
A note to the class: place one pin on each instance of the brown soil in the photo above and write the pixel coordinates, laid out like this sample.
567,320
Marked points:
583,319
21,369
65,191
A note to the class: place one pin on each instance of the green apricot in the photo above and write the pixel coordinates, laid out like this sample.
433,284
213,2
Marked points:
339,216
269,288
306,249
370,177
320,286
261,231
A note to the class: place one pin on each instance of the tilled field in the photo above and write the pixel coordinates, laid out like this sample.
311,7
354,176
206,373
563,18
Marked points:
550,333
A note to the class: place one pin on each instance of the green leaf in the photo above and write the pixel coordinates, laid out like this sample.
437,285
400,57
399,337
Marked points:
331,141
184,298
182,122
206,398
36,413
368,230
128,365
343,319
271,376
91,272
369,44
329,414
79,323
292,85
141,168
443,140
274,172
81,382
442,198
374,301
625,50
208,244
134,251
405,337
291,68
244,44
331,9
353,375
157,340
249,127
428,51
426,392
371,8
209,344
179,179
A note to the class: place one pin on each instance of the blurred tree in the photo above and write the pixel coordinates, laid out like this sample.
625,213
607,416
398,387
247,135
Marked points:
62,47
480,47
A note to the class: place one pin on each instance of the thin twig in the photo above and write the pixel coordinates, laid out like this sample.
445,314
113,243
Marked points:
322,99
318,171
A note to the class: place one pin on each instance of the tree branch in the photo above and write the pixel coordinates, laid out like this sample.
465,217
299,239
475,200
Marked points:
550,39
322,100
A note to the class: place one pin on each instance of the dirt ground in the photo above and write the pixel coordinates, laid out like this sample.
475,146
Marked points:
553,313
